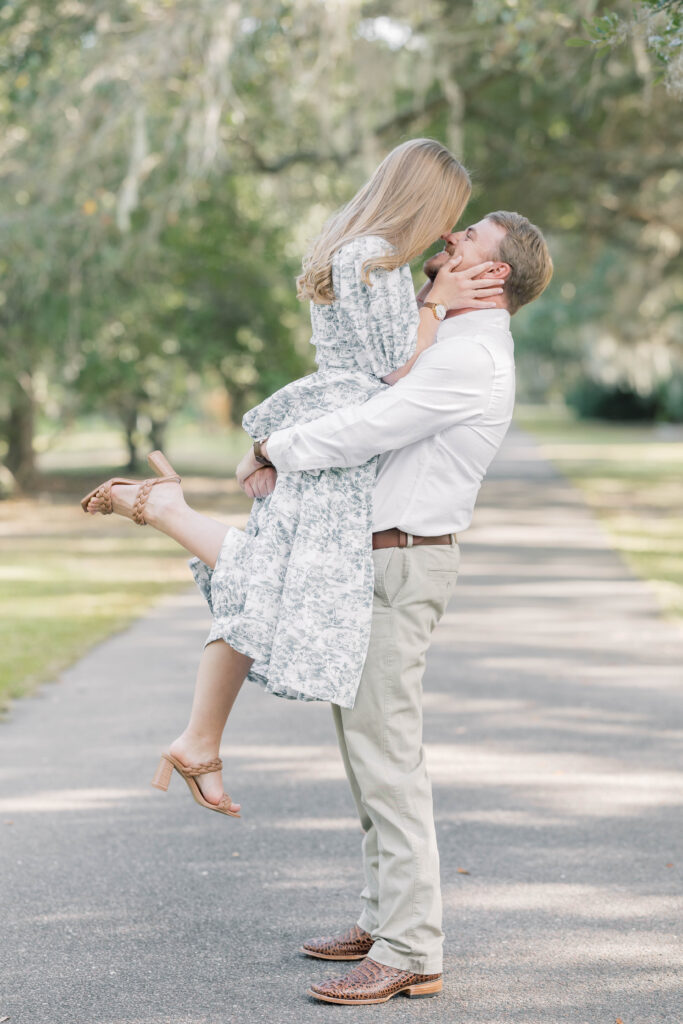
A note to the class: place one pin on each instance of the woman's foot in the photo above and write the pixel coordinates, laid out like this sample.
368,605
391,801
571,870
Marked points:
189,751
163,499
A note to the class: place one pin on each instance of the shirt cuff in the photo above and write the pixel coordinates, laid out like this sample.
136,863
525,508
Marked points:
277,447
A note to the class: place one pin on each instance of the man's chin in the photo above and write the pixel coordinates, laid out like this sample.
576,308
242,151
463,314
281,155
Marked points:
433,265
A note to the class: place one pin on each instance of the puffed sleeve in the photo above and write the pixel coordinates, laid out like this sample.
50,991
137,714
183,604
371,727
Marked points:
382,319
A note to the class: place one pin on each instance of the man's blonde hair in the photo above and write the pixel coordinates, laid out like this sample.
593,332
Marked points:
417,193
524,248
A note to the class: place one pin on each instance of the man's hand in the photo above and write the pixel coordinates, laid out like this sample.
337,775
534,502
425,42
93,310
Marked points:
261,483
246,467
256,480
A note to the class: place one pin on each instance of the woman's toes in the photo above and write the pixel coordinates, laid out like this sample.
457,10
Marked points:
123,499
211,786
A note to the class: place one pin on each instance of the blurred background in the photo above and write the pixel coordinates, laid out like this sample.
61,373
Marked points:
164,164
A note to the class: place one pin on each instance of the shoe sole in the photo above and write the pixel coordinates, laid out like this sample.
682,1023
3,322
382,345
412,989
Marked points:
429,988
333,956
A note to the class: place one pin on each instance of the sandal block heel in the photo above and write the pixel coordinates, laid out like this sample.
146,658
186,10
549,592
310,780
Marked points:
160,464
162,776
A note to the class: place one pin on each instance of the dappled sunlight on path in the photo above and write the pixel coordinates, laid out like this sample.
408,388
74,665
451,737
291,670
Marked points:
553,732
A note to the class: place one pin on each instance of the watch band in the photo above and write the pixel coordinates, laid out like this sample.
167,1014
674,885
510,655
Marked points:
432,306
258,454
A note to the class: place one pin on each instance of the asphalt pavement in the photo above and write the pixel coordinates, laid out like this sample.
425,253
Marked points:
553,726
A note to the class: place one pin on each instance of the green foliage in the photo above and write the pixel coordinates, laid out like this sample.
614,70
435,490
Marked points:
233,306
657,23
164,164
670,398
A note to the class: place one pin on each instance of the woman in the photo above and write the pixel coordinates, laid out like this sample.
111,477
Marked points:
291,595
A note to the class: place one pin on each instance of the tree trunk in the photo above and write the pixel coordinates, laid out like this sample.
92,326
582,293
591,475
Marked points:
19,432
157,435
130,425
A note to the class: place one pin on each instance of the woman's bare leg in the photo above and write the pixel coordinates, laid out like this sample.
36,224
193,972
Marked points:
221,673
222,670
167,511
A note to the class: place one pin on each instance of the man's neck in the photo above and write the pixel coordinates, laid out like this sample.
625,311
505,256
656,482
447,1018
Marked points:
456,312
470,309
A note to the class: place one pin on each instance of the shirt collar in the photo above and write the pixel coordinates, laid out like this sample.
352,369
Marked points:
476,319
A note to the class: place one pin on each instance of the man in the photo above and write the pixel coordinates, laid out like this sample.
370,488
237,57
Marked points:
436,431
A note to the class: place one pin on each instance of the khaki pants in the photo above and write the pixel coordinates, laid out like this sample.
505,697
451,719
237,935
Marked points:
381,744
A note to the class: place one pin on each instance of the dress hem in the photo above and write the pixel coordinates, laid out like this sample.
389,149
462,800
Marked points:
288,693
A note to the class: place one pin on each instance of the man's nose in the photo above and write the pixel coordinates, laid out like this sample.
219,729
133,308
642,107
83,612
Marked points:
450,237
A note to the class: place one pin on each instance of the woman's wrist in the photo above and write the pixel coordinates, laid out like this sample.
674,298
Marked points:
424,292
439,299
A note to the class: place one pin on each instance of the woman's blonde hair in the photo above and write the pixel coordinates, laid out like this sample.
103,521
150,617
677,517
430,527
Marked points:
418,192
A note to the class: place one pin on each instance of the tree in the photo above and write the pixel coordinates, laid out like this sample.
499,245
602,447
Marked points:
652,27
165,162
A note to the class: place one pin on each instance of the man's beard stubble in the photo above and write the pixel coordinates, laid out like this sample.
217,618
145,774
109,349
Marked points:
433,265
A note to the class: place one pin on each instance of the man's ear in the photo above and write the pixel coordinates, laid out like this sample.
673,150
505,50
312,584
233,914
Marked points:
500,270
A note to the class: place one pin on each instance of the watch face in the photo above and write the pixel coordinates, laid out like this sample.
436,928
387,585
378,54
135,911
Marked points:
441,311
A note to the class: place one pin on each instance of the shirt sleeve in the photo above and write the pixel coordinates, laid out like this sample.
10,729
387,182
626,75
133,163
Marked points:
450,383
382,318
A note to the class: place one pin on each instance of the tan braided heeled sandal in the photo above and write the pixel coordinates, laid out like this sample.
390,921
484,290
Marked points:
190,773
165,474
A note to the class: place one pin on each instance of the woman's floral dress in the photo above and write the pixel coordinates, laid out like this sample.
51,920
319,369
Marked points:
294,589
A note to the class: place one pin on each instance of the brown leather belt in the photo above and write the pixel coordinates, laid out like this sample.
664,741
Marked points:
395,538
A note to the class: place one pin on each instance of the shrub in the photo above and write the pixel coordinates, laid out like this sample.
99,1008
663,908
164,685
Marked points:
591,398
670,395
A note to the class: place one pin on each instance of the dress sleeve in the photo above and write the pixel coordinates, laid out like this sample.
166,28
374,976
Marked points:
382,318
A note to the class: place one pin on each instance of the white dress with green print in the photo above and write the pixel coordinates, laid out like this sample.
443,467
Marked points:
293,590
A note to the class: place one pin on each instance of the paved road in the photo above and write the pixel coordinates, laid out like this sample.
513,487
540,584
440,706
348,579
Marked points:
553,721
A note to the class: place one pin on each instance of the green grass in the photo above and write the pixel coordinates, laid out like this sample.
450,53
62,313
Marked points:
68,581
63,590
632,476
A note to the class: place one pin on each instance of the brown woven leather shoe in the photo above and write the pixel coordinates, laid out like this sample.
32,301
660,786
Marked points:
370,982
351,945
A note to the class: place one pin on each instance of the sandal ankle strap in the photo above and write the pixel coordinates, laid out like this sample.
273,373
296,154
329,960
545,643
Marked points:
142,496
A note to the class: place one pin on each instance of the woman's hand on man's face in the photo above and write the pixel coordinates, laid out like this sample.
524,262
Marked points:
464,289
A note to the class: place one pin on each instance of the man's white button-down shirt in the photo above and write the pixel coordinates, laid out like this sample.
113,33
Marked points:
436,430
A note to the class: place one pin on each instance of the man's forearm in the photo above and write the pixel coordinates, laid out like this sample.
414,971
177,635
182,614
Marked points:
450,384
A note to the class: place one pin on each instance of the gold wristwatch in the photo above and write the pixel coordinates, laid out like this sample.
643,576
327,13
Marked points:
258,453
438,309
